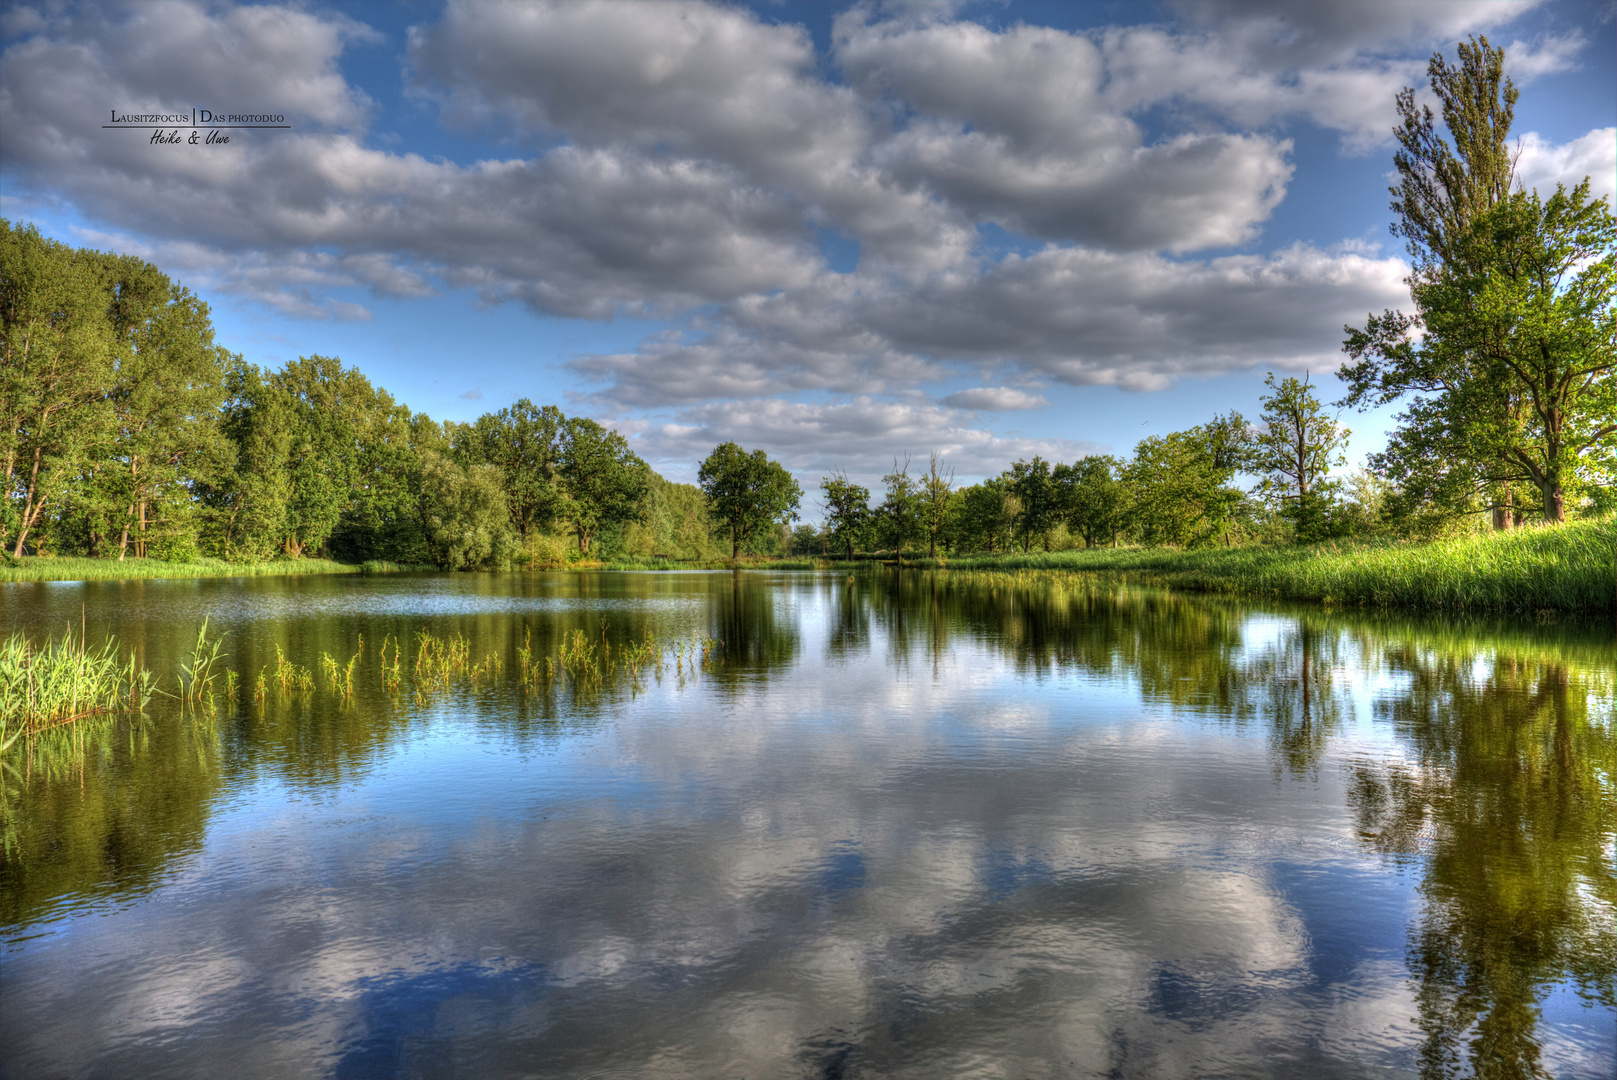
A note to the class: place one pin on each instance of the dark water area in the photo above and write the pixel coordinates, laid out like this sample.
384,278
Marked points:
906,825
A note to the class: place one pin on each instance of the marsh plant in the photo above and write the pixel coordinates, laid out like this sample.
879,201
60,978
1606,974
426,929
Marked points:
62,681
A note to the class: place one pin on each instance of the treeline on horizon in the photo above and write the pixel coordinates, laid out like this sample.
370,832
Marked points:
130,434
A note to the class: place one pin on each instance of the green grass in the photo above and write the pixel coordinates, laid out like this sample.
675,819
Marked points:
58,682
746,562
50,568
1566,568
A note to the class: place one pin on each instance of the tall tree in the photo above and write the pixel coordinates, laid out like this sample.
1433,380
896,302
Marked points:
746,492
988,512
1295,447
1096,499
1508,362
58,356
603,479
525,442
1035,490
900,514
164,434
463,514
847,511
1179,484
936,487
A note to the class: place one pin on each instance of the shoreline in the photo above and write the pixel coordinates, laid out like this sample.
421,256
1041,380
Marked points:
1568,568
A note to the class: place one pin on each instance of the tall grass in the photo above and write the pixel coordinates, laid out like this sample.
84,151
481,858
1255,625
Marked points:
1564,568
38,568
64,680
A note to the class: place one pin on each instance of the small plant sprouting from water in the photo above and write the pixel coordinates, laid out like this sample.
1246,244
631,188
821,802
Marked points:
62,681
391,672
290,677
197,669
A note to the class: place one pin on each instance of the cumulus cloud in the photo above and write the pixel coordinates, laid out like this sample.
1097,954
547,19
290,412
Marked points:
682,160
995,399
1072,315
1543,164
860,436
1012,127
1256,61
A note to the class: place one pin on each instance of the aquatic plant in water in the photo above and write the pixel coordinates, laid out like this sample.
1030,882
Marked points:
62,681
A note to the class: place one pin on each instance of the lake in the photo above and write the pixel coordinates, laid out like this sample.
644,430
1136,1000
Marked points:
752,824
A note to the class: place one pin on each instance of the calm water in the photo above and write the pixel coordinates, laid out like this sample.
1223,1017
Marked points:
892,827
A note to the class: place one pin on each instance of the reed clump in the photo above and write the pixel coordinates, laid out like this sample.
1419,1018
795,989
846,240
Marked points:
63,680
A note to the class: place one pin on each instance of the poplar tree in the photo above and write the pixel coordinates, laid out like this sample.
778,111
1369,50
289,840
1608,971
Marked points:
1507,365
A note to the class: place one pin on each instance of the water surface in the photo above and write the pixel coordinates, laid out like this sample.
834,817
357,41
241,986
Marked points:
893,826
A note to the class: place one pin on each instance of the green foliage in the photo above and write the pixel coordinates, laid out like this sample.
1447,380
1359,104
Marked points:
848,516
747,492
527,444
1179,484
602,479
673,523
937,487
59,354
986,516
1573,568
463,515
1095,498
1038,498
1295,449
1509,366
899,517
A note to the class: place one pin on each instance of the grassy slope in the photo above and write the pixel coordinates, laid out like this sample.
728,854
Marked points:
1570,568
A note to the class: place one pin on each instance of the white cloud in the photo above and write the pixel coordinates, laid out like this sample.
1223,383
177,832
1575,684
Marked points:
861,436
1543,164
995,399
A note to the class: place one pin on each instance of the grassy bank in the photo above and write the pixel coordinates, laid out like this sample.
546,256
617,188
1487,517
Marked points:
49,568
1567,568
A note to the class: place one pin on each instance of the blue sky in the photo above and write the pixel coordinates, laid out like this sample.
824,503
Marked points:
841,233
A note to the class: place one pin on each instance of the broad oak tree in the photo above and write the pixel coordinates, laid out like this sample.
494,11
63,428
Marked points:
747,491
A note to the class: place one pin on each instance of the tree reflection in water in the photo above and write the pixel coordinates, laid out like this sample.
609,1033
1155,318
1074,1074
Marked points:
1507,804
1496,788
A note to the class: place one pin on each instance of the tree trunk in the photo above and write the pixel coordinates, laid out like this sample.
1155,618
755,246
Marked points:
1503,515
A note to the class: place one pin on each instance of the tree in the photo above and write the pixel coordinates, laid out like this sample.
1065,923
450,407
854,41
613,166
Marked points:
899,515
936,487
603,480
988,514
525,442
1036,492
1179,483
1509,360
247,503
747,491
1296,447
847,511
1096,498
58,352
463,514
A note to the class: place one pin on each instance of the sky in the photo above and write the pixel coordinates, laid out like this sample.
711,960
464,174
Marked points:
840,233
